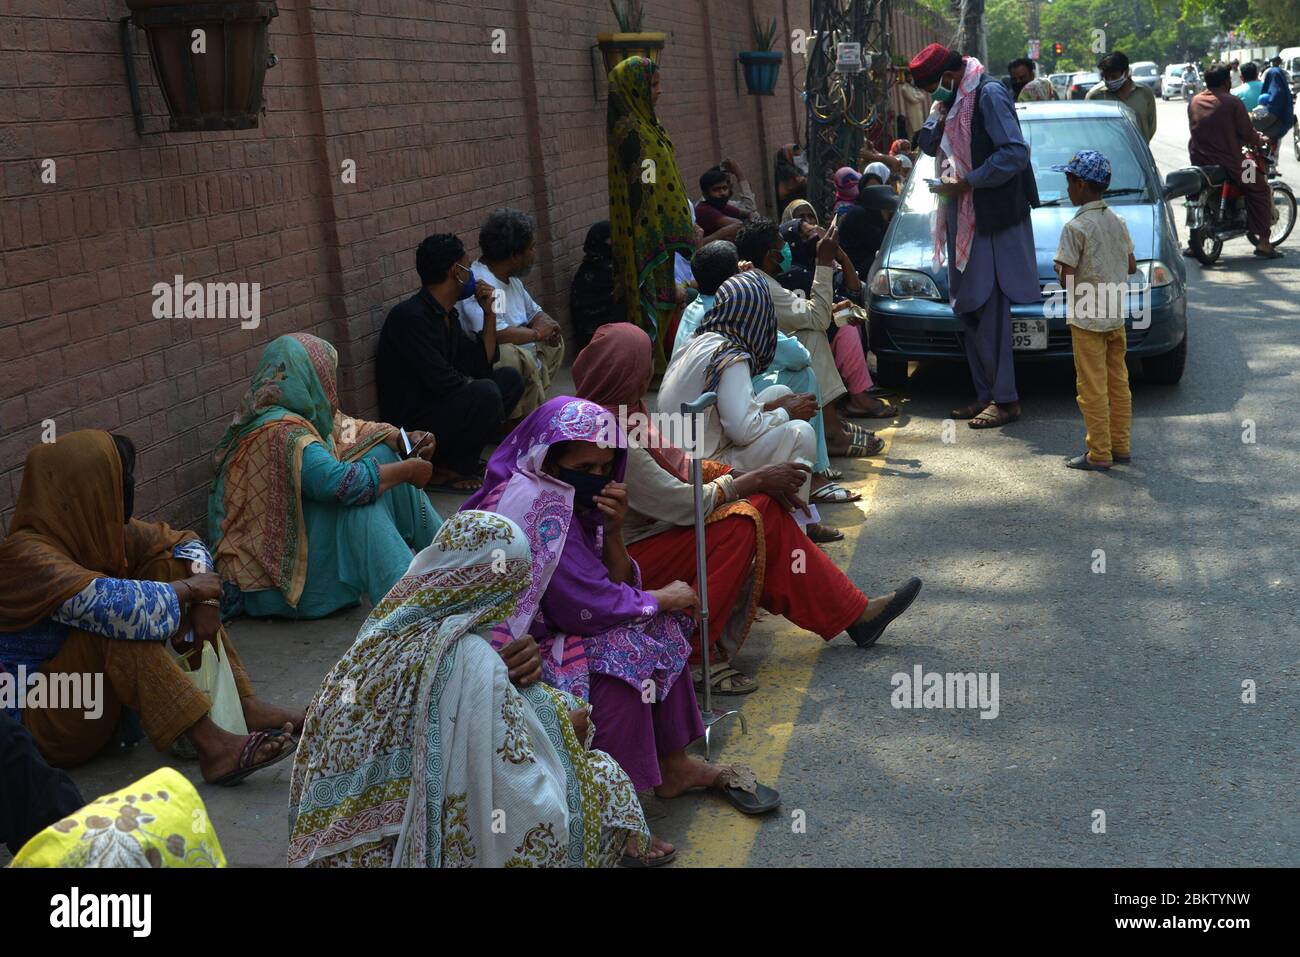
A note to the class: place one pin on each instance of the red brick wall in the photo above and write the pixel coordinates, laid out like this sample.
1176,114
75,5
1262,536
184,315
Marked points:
441,129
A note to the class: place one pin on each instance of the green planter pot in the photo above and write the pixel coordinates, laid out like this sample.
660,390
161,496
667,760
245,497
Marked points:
762,67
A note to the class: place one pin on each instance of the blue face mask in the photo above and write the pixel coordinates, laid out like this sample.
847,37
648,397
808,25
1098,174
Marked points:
944,94
787,258
585,486
467,290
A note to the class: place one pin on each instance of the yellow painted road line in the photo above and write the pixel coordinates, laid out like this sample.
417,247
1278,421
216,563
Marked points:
718,834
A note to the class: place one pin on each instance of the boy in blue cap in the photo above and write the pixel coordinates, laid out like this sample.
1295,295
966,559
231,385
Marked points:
1094,260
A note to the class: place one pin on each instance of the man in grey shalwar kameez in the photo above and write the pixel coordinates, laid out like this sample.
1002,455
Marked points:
1001,268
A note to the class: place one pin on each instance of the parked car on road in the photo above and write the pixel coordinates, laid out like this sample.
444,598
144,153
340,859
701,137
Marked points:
911,318
1145,73
1081,83
1171,81
1061,82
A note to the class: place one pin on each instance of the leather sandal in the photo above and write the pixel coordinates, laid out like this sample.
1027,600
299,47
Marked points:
737,783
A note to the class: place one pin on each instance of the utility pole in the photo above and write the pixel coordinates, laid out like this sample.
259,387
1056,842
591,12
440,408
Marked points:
970,37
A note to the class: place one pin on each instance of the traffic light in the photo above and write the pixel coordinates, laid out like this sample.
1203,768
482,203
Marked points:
1057,48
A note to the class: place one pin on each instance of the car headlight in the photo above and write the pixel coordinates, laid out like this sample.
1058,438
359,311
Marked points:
1155,273
904,284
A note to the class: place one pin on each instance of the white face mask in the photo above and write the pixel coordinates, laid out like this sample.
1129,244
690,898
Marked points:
801,164
1114,85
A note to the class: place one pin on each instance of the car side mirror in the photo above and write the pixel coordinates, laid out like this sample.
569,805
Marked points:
1182,182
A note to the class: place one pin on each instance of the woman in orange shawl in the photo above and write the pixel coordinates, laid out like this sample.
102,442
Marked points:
87,590
789,575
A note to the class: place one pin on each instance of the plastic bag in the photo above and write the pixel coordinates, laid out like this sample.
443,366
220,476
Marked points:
215,679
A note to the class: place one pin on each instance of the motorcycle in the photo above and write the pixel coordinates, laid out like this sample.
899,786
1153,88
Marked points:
1216,208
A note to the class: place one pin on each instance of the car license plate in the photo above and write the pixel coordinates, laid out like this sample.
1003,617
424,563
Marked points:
1028,334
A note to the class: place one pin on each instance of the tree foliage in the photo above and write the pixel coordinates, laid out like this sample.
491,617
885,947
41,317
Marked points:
1163,31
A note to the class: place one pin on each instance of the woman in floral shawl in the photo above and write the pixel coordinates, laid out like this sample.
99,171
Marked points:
559,476
649,210
423,750
311,509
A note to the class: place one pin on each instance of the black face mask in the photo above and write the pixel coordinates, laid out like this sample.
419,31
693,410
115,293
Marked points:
1017,86
718,202
585,486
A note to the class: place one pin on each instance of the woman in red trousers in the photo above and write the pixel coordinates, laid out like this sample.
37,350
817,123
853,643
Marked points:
757,554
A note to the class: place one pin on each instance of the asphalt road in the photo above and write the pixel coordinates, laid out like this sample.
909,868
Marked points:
1118,692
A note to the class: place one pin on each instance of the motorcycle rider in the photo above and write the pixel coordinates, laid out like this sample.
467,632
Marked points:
1220,127
1275,97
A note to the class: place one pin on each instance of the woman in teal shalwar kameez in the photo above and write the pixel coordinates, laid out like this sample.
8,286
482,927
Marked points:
310,509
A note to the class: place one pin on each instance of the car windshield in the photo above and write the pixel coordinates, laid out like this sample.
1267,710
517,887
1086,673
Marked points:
1174,71
1144,70
1053,142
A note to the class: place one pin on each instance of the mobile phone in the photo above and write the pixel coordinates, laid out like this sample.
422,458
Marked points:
406,444
933,182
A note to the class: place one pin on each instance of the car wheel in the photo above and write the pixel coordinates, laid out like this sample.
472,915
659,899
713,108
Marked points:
891,373
1166,369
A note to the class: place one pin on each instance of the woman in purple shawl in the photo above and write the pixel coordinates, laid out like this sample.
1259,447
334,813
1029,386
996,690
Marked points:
559,475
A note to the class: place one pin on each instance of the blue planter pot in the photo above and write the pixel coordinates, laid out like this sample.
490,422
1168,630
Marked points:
762,67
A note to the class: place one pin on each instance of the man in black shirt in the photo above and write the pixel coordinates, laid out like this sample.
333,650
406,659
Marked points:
435,377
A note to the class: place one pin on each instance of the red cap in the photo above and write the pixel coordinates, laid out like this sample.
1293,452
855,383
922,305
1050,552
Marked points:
929,63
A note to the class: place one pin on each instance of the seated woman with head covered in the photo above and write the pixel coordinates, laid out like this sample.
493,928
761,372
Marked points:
602,636
757,554
427,748
311,509
87,590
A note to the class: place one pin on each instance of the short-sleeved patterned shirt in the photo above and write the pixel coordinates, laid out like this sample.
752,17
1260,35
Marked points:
1097,244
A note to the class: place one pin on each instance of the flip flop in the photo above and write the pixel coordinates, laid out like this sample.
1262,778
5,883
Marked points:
833,475
866,634
1275,254
824,537
246,766
833,493
995,419
738,785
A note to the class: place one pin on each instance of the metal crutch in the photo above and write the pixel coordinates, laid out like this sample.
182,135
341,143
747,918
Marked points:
690,411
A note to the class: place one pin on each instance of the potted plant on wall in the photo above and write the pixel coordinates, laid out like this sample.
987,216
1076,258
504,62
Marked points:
763,64
629,41
210,59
